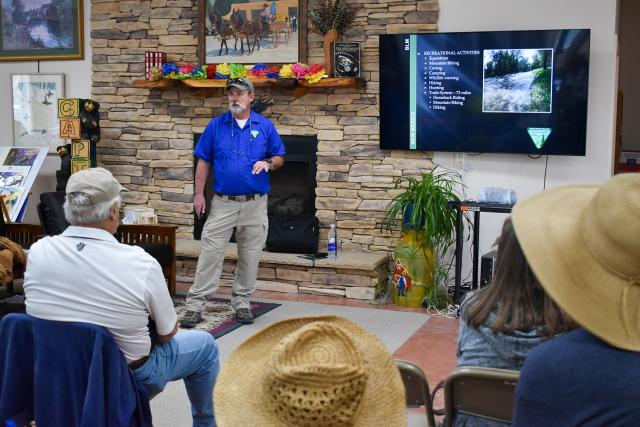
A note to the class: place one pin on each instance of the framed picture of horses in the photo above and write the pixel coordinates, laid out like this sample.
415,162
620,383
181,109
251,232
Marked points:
244,32
41,30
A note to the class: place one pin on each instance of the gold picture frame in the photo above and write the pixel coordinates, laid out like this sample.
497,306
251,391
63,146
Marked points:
50,31
275,30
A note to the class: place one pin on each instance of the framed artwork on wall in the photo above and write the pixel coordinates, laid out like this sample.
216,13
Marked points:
41,30
35,109
241,32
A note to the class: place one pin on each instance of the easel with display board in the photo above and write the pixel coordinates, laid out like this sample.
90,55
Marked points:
19,167
5,211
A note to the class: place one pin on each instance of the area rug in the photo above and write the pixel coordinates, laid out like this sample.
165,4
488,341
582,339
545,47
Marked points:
219,317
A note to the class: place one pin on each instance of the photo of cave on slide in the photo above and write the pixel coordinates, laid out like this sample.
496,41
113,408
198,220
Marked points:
517,80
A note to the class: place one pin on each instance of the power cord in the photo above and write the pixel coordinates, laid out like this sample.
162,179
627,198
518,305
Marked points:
546,166
449,312
544,181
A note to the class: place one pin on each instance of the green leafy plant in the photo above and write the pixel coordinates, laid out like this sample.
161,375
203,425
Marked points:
423,207
330,14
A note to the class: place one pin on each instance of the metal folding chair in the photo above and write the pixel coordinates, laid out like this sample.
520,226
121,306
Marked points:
417,388
481,392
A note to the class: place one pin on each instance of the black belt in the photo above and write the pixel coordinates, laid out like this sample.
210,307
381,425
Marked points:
242,198
138,363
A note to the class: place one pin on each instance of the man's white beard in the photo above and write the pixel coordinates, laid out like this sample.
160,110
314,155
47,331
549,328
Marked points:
237,108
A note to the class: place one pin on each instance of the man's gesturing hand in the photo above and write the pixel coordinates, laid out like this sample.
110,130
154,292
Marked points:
260,166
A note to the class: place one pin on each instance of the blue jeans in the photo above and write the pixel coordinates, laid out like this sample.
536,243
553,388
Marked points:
189,355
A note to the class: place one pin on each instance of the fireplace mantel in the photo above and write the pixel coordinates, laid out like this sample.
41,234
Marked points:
211,87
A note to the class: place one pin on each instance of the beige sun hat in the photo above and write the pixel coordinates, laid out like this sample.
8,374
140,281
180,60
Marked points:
311,371
97,183
583,244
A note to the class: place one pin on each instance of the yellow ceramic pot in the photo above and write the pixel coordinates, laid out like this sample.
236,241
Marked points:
413,270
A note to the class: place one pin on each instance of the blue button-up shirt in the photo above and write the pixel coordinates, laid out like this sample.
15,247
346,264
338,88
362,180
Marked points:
234,151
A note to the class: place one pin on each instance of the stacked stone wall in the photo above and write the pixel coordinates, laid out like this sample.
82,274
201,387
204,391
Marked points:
147,134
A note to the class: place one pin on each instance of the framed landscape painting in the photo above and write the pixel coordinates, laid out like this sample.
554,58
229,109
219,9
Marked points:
35,110
34,30
243,32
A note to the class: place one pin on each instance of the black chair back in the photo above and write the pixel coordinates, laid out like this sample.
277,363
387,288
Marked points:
51,212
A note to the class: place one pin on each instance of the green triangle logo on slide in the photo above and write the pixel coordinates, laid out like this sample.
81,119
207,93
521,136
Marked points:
539,135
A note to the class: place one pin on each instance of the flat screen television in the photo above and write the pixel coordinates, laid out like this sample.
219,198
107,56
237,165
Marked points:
485,92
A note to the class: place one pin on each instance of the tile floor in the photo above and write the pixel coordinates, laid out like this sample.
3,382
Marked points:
432,347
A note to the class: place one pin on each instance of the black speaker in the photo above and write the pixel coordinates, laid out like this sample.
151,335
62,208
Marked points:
487,266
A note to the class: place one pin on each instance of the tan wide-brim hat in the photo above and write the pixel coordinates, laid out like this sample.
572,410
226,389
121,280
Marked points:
97,183
583,244
312,371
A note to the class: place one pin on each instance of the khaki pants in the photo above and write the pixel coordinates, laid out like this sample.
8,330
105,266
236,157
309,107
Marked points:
252,224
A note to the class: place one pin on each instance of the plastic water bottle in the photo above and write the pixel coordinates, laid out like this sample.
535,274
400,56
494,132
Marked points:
332,243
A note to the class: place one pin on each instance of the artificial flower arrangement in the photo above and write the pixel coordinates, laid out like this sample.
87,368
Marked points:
311,73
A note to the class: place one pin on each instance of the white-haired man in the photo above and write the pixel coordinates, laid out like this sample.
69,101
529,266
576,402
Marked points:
86,275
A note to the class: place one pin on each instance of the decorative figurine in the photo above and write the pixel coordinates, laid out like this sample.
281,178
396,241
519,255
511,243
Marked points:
90,123
62,175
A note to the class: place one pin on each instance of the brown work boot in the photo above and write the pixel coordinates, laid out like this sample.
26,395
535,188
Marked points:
243,315
190,319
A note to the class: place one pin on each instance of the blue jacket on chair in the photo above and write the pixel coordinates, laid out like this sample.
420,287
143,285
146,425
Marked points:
67,374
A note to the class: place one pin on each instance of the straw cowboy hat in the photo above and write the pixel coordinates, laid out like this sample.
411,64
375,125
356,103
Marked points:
583,244
312,371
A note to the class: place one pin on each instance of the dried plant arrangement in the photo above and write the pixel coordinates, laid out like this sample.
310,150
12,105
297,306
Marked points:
332,15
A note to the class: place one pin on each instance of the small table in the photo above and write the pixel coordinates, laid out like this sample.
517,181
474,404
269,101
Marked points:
476,208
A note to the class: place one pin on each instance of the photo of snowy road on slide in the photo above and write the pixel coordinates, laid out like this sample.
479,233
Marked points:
517,80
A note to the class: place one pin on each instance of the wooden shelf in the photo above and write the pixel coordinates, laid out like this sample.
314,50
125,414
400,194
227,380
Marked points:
289,86
154,84
333,82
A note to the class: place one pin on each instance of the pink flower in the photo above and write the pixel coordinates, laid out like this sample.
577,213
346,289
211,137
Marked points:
187,68
301,70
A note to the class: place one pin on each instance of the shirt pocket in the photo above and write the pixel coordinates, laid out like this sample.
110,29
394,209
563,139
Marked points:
258,147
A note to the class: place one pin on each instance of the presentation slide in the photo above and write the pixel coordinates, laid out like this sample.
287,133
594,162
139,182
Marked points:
485,92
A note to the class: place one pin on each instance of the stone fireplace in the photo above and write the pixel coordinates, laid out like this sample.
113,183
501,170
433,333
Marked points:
293,187
148,134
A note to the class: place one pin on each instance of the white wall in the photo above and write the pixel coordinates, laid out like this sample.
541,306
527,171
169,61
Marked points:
629,71
519,172
77,81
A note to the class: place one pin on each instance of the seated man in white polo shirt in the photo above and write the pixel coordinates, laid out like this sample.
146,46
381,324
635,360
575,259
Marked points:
86,275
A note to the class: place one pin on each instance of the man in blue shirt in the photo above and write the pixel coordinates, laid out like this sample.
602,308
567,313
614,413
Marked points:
243,148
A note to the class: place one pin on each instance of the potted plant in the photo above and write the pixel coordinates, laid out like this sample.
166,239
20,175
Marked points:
428,231
331,18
